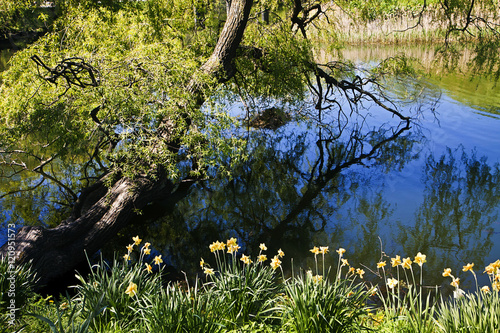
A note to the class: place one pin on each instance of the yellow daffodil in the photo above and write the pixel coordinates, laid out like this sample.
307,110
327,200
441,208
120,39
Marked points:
217,246
323,249
158,260
208,271
455,282
406,263
392,283
447,272
496,264
317,278
360,272
130,247
315,250
232,242
373,291
246,260
275,262
340,251
131,289
495,286
381,264
137,240
344,262
351,270
490,269
485,289
396,261
202,262
126,257
420,259
147,244
148,268
147,251
281,254
263,247
262,258
233,248
468,267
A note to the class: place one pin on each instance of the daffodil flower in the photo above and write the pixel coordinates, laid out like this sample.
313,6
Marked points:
315,250
131,289
340,251
468,267
447,272
233,249
323,249
344,262
208,271
281,254
455,282
490,269
137,240
485,289
130,247
148,268
126,257
263,247
158,260
392,283
406,263
420,259
381,264
317,278
396,261
232,242
147,251
202,262
246,260
360,272
262,258
275,262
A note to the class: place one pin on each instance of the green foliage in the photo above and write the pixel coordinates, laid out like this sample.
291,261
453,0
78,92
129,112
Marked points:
179,309
105,288
16,283
22,15
324,306
246,292
476,312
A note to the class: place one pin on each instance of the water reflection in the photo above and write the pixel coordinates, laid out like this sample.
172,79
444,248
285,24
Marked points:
286,195
454,224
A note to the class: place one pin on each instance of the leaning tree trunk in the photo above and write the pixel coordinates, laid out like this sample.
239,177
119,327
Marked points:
102,211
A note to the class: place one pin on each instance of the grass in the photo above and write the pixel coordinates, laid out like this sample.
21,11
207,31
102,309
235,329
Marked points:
243,294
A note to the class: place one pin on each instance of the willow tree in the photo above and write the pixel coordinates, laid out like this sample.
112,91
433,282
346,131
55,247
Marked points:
129,96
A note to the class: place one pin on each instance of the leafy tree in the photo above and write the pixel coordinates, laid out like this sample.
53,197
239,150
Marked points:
122,104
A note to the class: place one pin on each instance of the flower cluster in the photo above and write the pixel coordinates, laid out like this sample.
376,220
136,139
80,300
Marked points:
145,250
232,248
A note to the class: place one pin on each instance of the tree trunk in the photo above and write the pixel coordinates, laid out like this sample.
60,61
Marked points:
101,212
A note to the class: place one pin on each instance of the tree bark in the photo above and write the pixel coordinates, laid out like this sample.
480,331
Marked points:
101,212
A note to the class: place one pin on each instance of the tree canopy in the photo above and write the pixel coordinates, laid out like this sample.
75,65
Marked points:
123,103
